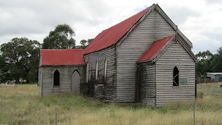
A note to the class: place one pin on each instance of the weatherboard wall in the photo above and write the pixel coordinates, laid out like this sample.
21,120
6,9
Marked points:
46,79
108,54
153,27
175,55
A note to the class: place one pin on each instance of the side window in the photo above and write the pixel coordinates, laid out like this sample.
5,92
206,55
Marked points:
56,78
175,76
105,69
87,72
97,69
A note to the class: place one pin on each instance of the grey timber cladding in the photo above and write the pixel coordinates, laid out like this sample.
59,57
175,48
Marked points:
46,79
108,54
175,55
132,47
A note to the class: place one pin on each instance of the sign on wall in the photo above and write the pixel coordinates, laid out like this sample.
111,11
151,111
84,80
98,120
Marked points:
183,81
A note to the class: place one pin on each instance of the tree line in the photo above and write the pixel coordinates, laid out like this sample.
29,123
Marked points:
208,62
19,58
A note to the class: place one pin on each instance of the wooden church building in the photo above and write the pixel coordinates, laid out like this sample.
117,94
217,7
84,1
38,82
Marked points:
144,58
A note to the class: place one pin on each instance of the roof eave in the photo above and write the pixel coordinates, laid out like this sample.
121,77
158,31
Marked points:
146,62
61,65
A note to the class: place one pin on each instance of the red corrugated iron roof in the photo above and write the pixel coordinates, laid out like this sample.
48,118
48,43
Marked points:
61,57
107,38
155,49
113,34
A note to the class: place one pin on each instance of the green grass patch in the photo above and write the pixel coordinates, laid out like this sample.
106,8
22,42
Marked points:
21,105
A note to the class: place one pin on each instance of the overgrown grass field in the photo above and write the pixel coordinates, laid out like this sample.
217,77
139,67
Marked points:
21,105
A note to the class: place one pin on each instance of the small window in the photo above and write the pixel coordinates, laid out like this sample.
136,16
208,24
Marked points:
105,68
175,76
56,78
97,69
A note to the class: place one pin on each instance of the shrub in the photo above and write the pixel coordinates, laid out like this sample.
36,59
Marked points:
200,95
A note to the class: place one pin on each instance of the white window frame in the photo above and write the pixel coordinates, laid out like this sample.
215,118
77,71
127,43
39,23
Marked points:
97,69
105,68
87,72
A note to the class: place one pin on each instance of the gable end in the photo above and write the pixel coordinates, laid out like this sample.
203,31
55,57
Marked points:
172,24
190,53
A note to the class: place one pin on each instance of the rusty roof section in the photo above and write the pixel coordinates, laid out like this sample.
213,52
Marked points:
154,50
113,34
61,57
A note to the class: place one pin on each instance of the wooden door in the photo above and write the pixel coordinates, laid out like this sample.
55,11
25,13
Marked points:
75,82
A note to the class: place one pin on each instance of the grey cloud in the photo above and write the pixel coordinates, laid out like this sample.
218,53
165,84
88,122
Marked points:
212,41
214,1
25,19
214,36
35,18
15,21
40,16
180,14
203,45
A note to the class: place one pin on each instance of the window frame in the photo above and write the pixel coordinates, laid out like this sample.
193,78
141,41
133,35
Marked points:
176,77
97,70
55,85
105,68
87,72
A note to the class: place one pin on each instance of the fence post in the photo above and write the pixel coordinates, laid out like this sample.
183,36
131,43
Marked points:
55,117
194,109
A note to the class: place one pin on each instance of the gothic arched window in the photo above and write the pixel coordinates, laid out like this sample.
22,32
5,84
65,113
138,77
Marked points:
175,76
56,78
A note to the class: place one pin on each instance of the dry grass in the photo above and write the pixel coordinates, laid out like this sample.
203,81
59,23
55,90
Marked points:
21,105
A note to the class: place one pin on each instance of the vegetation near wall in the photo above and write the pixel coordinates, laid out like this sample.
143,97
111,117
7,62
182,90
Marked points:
21,105
19,60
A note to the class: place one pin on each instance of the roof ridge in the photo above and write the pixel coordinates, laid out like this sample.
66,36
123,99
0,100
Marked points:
60,49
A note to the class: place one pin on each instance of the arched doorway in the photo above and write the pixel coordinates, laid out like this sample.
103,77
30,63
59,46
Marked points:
75,82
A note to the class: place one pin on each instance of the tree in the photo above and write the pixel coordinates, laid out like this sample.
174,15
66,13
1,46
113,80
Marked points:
60,38
84,43
2,67
89,41
21,59
2,63
217,61
204,62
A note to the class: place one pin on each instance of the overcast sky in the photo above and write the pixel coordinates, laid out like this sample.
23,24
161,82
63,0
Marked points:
199,20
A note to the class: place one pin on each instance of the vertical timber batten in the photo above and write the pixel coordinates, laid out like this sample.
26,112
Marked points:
108,54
